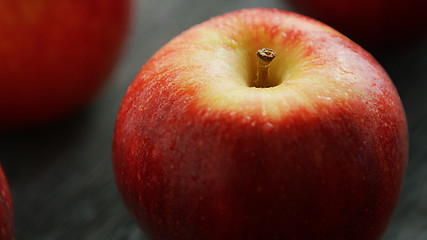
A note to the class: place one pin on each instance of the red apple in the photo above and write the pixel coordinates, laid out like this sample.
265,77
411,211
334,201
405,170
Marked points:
55,55
6,212
372,23
210,144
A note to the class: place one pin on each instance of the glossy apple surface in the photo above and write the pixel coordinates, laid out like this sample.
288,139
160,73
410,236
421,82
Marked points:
55,55
199,153
375,24
6,212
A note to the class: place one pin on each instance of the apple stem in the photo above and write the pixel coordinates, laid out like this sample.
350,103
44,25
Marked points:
265,56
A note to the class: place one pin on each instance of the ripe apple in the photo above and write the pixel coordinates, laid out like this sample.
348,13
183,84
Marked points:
215,142
372,23
6,212
55,55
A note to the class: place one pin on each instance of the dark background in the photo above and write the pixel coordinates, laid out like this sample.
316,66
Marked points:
61,175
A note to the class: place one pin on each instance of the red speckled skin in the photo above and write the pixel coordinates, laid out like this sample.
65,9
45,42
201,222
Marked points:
371,23
188,169
6,212
55,54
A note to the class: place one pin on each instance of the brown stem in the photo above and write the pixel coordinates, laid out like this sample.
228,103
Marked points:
265,56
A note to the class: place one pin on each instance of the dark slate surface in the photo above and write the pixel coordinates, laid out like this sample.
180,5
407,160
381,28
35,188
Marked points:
61,175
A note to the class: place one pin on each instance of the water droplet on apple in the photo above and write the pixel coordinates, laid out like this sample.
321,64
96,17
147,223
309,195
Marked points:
247,119
326,98
268,126
284,35
264,112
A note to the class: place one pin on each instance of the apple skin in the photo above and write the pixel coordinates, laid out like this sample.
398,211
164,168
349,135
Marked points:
375,24
199,154
6,212
56,54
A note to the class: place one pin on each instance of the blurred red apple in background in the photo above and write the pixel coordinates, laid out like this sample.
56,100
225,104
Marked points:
213,142
374,24
55,55
6,212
